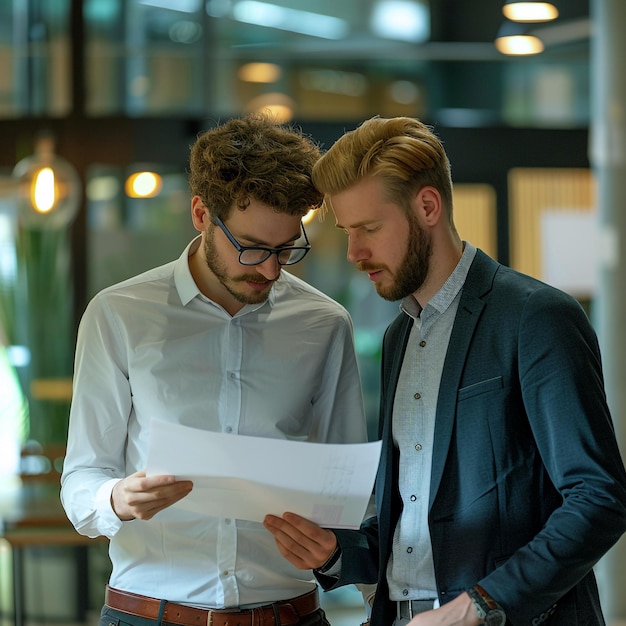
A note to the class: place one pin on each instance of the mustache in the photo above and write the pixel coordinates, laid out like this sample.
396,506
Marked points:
364,266
253,278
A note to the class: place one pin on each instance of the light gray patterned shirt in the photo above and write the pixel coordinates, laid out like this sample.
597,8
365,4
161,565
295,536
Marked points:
410,571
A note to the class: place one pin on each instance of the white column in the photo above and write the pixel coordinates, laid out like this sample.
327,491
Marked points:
608,160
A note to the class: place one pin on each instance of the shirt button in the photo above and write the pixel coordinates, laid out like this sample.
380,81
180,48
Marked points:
417,396
233,375
422,343
413,498
409,549
225,572
405,592
418,446
229,429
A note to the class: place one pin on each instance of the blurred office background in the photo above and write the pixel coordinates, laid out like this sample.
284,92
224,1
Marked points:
110,94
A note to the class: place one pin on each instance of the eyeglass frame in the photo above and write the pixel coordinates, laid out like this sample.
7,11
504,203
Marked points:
277,251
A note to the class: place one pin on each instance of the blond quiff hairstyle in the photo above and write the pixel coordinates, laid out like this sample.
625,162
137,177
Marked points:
403,151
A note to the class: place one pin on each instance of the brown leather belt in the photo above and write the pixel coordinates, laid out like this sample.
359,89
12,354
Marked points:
289,612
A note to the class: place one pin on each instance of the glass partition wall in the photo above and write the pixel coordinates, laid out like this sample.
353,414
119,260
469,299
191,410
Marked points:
124,86
321,61
127,84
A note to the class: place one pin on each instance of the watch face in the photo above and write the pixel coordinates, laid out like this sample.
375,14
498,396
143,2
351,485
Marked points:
495,617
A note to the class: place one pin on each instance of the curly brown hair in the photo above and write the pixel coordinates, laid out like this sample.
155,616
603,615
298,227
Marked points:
254,157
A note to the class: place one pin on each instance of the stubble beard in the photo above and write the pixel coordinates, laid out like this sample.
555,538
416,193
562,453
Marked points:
413,269
230,283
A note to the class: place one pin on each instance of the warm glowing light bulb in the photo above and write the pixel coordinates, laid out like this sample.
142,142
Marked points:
143,185
49,188
43,195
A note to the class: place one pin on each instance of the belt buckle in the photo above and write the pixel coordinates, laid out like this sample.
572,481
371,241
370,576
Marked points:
294,617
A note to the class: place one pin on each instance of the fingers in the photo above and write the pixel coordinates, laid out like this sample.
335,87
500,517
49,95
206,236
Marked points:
141,497
302,542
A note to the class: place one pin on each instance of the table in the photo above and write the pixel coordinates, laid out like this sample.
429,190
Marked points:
31,515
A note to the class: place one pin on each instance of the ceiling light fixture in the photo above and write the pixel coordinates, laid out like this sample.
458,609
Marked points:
183,6
404,20
514,39
294,20
277,105
259,72
529,11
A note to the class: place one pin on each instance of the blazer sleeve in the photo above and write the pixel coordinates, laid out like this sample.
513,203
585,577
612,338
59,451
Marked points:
358,561
561,382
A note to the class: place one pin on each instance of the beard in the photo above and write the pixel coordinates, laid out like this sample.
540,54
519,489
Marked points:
413,269
235,285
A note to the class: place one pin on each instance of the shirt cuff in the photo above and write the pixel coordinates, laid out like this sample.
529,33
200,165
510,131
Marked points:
109,523
332,567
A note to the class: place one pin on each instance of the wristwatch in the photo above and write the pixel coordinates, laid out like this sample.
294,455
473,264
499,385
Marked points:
487,608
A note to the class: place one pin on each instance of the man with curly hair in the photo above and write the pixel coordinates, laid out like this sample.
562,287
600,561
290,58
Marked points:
221,339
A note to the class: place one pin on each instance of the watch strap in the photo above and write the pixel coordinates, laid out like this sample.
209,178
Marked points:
486,607
486,598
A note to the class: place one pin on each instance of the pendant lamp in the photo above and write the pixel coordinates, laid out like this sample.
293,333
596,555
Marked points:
529,10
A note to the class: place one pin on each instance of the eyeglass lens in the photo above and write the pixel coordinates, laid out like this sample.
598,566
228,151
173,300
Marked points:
288,256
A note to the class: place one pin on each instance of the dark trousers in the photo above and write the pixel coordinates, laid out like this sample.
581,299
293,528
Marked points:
111,617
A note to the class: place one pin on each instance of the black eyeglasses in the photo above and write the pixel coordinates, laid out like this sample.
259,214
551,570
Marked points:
254,255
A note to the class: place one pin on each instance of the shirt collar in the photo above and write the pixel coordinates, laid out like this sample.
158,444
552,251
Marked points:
448,291
187,288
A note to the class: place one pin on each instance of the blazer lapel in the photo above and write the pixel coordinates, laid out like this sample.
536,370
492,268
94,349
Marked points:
398,340
386,487
478,282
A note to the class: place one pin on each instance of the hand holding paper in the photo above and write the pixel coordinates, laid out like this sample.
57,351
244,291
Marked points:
304,544
249,477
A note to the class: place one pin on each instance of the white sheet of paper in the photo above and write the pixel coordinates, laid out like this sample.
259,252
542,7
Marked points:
248,477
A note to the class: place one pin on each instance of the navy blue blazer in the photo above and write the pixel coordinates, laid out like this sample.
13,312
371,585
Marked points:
528,489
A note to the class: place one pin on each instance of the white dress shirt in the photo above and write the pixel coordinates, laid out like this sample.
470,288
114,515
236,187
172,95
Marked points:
155,347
